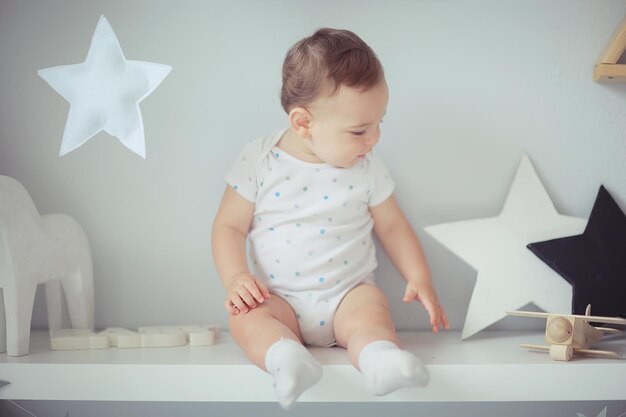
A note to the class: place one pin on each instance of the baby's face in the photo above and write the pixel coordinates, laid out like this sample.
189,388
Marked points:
346,126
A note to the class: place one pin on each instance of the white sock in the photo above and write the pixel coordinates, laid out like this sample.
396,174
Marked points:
294,370
387,368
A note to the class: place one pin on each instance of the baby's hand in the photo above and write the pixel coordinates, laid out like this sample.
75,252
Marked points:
244,292
423,291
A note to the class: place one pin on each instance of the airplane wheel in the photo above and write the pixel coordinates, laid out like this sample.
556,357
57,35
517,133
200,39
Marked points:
561,352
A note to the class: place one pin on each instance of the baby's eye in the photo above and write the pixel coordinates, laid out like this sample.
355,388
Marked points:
359,133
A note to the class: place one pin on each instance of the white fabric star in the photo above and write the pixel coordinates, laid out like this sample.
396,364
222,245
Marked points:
104,92
509,275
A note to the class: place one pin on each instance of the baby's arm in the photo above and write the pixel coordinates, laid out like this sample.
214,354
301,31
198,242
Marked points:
230,230
401,244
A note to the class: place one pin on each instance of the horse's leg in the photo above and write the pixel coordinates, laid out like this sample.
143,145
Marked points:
3,325
54,303
19,298
76,269
78,289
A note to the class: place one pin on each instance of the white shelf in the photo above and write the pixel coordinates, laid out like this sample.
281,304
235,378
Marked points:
488,367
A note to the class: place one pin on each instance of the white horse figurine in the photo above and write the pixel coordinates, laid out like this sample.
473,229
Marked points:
34,249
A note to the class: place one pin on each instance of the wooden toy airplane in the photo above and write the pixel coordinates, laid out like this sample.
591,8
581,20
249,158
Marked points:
567,334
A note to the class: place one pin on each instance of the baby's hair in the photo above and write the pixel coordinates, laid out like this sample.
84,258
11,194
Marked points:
329,58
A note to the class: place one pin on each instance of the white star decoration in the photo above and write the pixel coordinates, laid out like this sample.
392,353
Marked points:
601,414
104,92
509,275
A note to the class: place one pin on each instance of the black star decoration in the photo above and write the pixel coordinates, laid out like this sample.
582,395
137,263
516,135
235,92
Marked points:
594,262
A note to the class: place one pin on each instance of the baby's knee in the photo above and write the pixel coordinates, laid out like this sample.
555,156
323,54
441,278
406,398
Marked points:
371,313
365,316
379,301
366,297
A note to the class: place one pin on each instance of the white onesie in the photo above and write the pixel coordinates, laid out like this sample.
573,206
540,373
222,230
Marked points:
310,239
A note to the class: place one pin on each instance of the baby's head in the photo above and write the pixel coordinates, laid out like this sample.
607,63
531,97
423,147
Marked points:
335,93
325,61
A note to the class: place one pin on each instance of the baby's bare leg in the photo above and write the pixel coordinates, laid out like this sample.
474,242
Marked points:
364,326
269,336
362,318
263,326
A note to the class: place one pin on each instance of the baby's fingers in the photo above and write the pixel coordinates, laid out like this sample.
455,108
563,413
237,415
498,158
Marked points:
439,319
444,319
231,305
434,312
253,289
248,299
264,291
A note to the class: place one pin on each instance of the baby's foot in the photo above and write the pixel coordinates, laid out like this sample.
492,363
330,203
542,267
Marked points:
294,370
387,368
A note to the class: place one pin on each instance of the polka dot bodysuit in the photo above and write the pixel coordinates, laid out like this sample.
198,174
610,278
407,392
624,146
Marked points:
311,236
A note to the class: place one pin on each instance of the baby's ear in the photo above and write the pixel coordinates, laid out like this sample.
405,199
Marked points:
300,120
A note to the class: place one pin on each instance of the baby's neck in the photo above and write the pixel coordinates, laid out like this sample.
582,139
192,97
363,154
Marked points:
295,146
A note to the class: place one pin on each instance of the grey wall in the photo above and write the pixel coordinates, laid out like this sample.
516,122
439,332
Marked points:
474,85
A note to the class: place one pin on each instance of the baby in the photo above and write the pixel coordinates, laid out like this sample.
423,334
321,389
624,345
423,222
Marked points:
308,198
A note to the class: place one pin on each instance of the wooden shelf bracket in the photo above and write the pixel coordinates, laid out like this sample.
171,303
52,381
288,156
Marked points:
607,69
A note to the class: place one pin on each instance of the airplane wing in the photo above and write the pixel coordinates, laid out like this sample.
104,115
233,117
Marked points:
528,314
597,319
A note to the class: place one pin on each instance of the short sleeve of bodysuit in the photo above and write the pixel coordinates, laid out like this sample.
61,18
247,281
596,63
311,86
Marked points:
242,175
382,184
